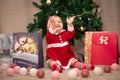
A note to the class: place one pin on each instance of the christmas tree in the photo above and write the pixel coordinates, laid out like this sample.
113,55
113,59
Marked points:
86,12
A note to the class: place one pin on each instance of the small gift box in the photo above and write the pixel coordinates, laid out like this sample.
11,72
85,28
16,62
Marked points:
101,48
28,50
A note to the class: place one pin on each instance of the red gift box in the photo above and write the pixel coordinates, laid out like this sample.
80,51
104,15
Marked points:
101,48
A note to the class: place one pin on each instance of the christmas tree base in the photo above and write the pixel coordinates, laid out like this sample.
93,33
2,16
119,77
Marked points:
79,48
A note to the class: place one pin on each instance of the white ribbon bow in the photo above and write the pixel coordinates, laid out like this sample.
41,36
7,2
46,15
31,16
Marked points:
103,39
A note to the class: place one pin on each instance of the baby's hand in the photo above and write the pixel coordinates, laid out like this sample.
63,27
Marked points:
51,23
70,20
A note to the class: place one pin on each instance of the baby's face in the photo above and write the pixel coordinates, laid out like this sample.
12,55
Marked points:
58,24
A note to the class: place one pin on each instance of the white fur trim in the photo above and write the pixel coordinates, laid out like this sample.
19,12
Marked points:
52,31
60,32
70,28
66,67
57,44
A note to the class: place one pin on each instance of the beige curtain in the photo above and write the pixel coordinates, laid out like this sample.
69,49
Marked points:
110,14
15,15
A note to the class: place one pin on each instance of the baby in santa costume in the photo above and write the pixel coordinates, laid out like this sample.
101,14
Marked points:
59,54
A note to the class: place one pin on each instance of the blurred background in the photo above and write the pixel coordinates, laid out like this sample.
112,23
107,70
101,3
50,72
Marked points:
16,14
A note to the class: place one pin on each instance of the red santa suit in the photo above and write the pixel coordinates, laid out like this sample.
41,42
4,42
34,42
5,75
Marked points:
58,47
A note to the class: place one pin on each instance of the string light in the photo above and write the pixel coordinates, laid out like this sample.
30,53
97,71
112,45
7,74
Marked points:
75,14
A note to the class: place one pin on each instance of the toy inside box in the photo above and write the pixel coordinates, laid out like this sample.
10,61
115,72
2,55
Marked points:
28,50
101,48
5,48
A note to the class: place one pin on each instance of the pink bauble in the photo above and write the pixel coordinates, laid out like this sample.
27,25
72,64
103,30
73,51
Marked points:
16,69
85,73
107,69
10,72
115,67
0,69
13,65
55,75
40,73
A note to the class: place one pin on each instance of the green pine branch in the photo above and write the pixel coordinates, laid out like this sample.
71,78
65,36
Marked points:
86,12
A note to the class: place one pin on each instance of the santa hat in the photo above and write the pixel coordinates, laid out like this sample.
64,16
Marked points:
48,22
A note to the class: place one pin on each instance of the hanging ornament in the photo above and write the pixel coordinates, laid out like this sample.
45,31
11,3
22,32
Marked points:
82,28
99,10
48,2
